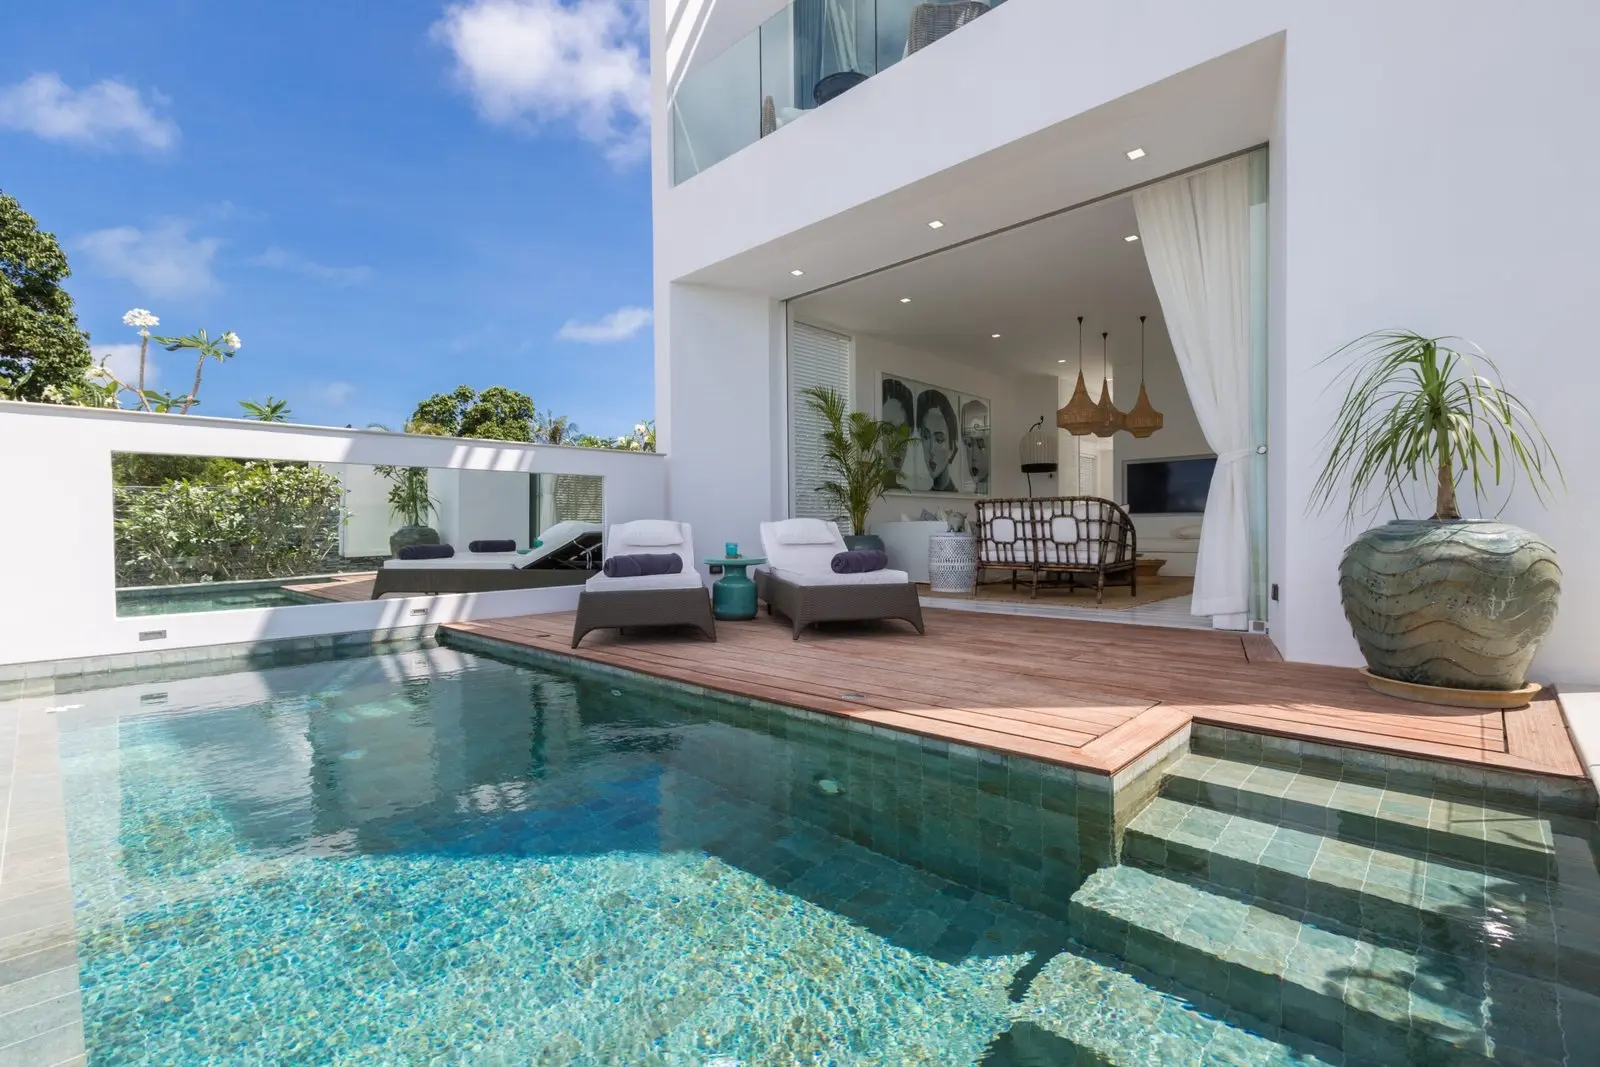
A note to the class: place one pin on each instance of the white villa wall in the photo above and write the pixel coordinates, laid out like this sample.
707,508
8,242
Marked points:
1456,205
367,523
480,506
56,543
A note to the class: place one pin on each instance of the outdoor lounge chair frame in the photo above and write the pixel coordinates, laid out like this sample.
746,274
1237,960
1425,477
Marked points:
572,564
1105,547
806,604
618,609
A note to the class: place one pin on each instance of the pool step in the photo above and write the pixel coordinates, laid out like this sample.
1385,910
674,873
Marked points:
1366,807
1106,1015
1376,1003
1441,905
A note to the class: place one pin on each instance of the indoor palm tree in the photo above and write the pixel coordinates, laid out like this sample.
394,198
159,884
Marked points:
856,455
1442,602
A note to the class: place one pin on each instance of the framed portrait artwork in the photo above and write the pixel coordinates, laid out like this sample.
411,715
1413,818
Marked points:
948,451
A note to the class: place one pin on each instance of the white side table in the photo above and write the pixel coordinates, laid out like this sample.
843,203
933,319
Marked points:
952,563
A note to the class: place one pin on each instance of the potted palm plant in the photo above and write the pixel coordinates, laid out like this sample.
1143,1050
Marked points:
410,503
856,456
1446,609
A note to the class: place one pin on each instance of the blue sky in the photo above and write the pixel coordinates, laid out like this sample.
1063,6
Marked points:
384,200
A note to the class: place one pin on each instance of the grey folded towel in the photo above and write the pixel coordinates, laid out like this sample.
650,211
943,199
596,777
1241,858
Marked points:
860,561
492,546
638,566
427,552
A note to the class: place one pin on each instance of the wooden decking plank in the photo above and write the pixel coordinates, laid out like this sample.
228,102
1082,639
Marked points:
1538,733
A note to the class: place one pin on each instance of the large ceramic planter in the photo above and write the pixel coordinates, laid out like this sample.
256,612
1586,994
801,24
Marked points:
1459,605
407,536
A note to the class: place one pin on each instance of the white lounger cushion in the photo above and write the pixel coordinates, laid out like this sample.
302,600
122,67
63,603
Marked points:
883,577
688,579
648,533
810,563
805,532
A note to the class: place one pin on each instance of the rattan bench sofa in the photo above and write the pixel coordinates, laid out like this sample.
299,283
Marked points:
1084,540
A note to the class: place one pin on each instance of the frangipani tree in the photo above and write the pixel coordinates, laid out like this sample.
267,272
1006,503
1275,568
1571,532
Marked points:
205,347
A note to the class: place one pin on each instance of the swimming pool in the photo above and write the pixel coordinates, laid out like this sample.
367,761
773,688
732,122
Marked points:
402,856
207,596
436,855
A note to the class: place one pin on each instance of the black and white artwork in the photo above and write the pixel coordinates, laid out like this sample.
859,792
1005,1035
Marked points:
949,446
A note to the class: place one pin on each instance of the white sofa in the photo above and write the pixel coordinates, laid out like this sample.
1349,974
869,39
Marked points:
906,542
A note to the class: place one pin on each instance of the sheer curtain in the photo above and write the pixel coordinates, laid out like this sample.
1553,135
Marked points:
1195,230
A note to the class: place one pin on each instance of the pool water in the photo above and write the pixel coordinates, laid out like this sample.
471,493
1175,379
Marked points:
229,596
433,854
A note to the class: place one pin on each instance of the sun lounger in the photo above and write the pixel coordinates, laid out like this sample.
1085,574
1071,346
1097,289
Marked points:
568,555
799,584
648,600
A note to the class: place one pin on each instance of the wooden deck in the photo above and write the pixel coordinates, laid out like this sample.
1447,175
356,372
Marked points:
344,587
1089,695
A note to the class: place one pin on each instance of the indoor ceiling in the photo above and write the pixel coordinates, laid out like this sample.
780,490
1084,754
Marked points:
1028,285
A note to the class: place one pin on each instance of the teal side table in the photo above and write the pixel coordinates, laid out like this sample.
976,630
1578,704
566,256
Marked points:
733,596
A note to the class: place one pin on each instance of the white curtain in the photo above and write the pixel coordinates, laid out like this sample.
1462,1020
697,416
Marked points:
1196,236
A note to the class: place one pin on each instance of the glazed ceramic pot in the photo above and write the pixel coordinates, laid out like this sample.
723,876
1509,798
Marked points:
855,541
1461,604
407,536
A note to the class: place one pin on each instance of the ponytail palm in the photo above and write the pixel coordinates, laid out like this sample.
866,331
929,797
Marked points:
856,455
1418,410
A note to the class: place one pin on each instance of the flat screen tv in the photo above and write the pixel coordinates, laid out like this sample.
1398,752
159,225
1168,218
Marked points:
1169,486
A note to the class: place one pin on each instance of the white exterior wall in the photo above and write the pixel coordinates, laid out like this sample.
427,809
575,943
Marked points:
1429,169
57,566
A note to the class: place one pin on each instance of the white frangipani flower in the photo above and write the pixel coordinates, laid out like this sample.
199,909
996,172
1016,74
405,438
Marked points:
231,339
141,318
639,428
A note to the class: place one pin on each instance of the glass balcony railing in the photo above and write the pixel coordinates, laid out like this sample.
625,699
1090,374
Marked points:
804,56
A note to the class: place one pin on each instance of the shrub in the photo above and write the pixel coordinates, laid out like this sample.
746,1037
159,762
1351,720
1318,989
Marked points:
263,520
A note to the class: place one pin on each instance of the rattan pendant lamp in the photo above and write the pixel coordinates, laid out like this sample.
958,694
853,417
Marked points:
1142,419
1080,416
1108,420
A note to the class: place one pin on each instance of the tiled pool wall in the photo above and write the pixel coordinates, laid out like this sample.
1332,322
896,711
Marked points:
1009,826
47,678
1568,796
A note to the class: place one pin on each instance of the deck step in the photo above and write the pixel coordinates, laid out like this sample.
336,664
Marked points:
1361,889
1376,1003
1365,807
1109,1016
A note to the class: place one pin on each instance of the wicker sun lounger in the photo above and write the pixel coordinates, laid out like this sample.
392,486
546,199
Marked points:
800,585
654,600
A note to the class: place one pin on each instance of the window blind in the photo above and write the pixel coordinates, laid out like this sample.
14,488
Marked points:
816,357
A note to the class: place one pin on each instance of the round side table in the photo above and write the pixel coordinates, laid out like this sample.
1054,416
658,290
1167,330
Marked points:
952,563
733,596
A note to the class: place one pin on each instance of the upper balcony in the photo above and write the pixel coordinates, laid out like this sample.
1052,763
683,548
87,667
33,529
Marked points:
799,59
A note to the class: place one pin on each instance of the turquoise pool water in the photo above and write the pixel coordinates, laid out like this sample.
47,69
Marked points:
436,857
178,600
435,854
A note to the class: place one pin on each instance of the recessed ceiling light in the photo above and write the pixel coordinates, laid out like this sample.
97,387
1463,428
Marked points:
1060,361
935,225
905,300
797,273
1137,153
995,336
1131,237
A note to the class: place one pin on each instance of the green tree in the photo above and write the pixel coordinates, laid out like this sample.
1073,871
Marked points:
497,413
553,429
43,353
205,347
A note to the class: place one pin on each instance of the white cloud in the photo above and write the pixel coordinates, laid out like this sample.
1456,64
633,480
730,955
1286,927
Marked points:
544,61
164,262
275,258
620,325
334,394
106,115
123,359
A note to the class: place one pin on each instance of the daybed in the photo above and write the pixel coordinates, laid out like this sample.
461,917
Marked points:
649,600
1080,538
568,555
799,584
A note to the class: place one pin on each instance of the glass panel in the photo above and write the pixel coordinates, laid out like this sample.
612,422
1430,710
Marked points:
1258,383
804,56
203,533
